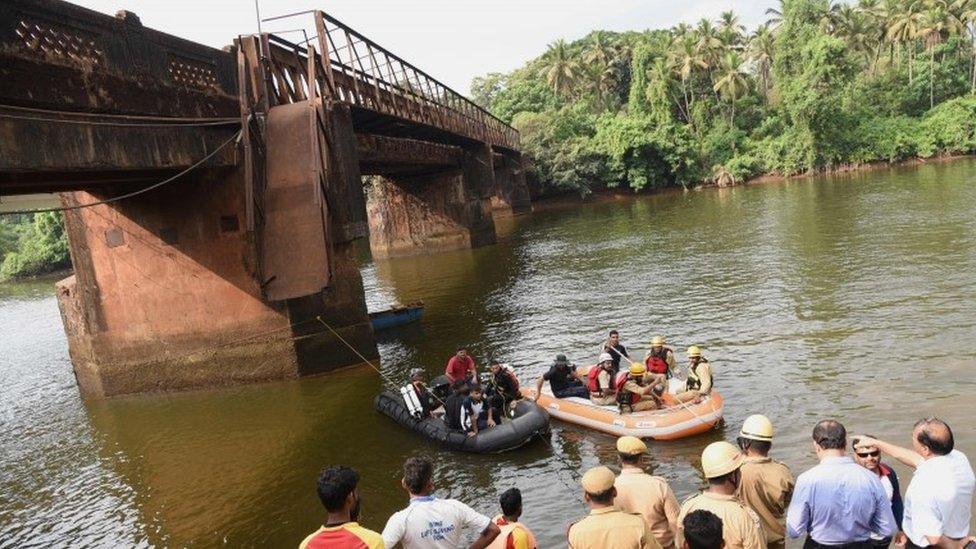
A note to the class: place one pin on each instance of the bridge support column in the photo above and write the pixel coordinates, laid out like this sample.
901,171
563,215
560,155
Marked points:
443,211
165,294
511,193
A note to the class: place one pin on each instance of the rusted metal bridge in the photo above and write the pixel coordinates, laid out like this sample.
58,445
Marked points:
266,143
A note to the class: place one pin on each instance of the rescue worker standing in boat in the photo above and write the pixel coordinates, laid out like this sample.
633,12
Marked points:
615,349
766,485
599,382
635,392
741,527
699,382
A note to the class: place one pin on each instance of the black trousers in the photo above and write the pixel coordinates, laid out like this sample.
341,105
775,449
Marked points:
810,543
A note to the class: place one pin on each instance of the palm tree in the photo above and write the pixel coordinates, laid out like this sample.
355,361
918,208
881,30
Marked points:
966,13
561,70
730,29
937,21
709,44
775,17
687,60
732,81
761,53
904,26
600,51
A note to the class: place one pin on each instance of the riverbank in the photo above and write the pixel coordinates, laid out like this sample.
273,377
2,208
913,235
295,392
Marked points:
569,198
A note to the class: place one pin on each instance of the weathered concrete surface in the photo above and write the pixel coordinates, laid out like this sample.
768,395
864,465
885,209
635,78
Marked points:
166,296
450,210
51,155
511,193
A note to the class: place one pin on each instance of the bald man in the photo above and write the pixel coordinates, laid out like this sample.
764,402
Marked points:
938,502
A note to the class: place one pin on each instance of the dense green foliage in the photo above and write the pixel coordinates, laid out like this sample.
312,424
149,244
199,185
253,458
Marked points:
820,85
32,247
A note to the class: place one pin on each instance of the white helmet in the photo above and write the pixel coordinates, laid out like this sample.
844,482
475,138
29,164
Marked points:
605,357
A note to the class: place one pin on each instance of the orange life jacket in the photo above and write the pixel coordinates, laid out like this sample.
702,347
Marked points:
656,365
593,379
501,541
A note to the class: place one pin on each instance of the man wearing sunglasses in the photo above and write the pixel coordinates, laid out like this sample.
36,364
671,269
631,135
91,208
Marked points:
938,501
869,457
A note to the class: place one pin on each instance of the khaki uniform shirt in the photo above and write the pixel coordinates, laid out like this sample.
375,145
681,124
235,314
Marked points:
611,528
766,487
741,528
652,498
704,373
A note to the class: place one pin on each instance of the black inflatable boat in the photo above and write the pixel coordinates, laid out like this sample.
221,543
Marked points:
528,421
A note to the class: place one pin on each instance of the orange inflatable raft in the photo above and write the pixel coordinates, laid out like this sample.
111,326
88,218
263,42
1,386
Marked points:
672,422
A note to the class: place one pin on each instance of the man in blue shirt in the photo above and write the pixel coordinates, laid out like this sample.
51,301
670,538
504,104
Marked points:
838,504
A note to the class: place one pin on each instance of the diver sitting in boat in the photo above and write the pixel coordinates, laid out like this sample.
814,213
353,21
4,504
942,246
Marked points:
599,382
636,389
501,387
476,414
453,403
564,380
699,382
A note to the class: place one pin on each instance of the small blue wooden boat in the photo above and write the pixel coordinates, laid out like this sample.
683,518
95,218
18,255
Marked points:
396,316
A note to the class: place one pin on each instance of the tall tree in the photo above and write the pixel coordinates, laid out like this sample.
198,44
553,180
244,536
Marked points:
938,22
561,70
760,50
904,26
732,81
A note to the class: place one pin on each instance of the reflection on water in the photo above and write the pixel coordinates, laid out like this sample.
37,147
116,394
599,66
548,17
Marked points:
852,296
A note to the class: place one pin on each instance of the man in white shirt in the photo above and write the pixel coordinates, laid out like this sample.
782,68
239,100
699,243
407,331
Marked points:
938,502
430,522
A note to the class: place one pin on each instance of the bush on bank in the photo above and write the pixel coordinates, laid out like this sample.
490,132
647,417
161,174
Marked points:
822,85
34,246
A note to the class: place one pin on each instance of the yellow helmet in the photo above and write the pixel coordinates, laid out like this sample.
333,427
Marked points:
720,458
757,427
637,369
657,341
694,351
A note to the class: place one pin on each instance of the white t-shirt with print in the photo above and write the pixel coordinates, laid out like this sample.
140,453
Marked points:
432,523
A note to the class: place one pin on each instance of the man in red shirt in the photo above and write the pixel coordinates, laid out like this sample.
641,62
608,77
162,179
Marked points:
337,490
461,367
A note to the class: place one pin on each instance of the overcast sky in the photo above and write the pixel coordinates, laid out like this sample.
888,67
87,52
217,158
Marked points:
452,40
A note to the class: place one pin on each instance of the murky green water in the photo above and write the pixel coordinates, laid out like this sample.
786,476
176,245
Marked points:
851,296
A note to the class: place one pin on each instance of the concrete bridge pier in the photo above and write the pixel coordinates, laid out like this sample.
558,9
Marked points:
445,210
172,291
511,192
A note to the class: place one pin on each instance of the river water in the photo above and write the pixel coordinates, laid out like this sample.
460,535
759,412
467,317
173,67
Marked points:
851,296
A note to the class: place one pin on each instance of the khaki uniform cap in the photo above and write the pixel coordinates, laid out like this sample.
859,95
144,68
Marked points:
741,527
767,487
631,446
598,480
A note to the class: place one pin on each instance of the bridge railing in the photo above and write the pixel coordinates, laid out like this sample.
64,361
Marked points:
362,73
